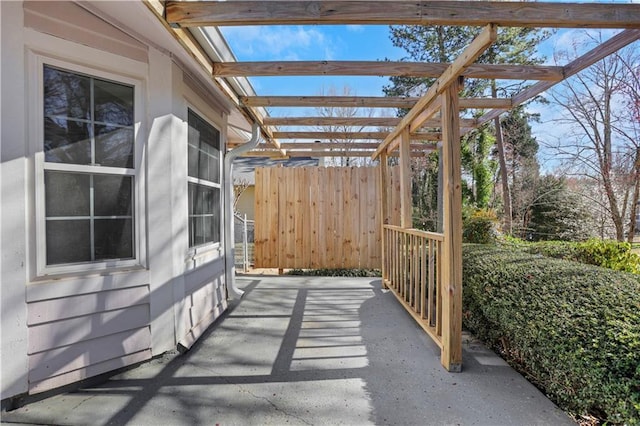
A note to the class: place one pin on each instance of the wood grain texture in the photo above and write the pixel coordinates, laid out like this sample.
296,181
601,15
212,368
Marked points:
382,68
362,101
451,356
477,13
350,135
326,217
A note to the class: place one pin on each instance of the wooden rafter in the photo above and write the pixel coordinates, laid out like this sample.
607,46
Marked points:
277,155
362,101
350,121
355,135
386,68
605,49
331,121
452,73
323,146
477,13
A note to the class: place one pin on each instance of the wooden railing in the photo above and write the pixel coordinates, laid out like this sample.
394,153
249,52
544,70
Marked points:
412,271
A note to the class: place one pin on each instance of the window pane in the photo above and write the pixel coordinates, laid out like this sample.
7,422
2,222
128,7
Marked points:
193,154
204,200
113,103
203,167
112,195
214,169
66,194
114,146
203,149
204,215
66,94
68,241
113,239
216,215
67,141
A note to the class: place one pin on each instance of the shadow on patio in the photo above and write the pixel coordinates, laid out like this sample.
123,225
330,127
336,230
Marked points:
307,350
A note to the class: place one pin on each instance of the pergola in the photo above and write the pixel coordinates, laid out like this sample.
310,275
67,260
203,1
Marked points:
439,109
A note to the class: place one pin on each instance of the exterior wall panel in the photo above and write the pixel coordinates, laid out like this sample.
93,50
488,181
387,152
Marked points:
59,329
71,22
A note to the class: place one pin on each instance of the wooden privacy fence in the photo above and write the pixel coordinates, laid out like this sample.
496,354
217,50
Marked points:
412,270
317,217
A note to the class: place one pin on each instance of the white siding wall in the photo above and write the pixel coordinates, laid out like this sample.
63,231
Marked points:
13,202
61,329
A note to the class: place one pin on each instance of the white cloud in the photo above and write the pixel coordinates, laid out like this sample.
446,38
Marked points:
360,28
578,41
281,42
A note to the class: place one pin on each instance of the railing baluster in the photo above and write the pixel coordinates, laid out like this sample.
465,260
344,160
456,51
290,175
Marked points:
432,289
413,271
439,288
423,276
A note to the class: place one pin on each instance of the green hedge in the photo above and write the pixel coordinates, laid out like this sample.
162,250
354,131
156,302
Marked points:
573,329
614,255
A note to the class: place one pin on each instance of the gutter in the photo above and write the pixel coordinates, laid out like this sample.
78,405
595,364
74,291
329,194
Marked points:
229,243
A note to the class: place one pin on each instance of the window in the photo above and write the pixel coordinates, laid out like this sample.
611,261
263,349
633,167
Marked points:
89,172
204,181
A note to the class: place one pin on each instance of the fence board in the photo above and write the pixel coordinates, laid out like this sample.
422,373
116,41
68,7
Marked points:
317,217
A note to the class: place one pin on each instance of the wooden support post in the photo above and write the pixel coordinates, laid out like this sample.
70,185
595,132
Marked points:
405,180
384,212
451,356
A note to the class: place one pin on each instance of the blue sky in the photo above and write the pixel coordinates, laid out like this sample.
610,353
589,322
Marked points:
351,42
313,43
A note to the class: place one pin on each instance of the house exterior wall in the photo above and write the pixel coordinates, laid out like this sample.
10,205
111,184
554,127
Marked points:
60,326
246,202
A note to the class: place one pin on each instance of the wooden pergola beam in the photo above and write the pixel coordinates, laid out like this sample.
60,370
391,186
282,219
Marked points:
331,121
362,101
452,73
386,68
349,153
321,146
402,12
350,135
596,54
354,121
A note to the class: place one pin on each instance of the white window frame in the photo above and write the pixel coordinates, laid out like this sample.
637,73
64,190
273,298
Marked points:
36,123
201,249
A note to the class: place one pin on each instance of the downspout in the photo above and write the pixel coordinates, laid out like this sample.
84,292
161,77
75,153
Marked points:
229,243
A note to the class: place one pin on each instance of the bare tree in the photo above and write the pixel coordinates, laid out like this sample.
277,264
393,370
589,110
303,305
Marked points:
603,143
239,186
344,112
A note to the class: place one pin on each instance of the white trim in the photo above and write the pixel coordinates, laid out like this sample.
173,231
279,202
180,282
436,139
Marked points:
89,57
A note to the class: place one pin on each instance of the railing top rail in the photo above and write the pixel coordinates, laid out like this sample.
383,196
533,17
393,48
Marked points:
417,232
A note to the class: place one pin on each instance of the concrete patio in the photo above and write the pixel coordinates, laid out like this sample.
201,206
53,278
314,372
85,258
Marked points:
307,350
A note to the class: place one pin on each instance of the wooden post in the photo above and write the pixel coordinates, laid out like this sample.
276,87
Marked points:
451,356
384,212
405,180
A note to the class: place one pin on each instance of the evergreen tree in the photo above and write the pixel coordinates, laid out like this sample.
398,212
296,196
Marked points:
521,149
444,44
556,213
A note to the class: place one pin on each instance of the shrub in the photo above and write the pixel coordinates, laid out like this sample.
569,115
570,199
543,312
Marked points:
336,272
556,249
480,227
573,329
609,254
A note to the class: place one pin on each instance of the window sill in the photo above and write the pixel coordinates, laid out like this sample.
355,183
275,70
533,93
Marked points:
85,271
